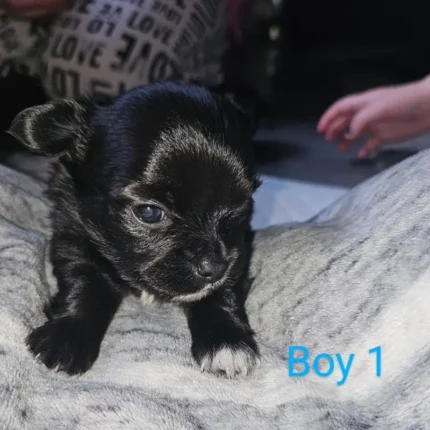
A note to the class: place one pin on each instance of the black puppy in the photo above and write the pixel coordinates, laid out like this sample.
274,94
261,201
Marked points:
153,193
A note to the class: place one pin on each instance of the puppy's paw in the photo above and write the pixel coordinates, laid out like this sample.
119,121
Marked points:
64,344
228,359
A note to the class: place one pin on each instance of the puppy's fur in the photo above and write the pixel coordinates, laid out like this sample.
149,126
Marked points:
152,192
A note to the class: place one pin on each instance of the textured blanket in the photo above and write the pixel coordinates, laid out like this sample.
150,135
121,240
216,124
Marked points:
340,305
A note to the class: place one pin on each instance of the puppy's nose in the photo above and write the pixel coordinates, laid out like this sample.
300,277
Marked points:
212,269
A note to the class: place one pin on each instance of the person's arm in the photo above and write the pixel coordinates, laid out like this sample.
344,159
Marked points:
382,115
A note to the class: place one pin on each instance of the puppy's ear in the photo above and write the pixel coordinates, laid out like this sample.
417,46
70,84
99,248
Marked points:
54,128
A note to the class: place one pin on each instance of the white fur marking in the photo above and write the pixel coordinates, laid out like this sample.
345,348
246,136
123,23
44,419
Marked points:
193,297
148,300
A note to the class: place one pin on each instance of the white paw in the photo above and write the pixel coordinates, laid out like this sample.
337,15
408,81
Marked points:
230,361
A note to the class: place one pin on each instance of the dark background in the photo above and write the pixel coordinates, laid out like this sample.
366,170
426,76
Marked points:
333,47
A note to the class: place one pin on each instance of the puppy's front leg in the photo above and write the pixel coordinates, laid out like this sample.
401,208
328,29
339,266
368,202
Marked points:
222,340
80,312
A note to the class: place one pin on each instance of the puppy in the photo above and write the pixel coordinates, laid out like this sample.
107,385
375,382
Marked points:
151,193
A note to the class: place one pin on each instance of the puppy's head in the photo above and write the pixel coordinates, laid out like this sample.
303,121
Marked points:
161,179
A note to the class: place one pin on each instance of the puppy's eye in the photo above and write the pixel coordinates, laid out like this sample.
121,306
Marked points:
150,214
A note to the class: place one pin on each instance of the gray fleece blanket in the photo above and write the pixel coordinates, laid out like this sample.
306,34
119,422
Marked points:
340,305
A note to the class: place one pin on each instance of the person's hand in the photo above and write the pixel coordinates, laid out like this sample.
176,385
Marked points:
29,9
382,116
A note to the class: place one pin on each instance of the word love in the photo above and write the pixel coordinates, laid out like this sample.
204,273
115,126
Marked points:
299,355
